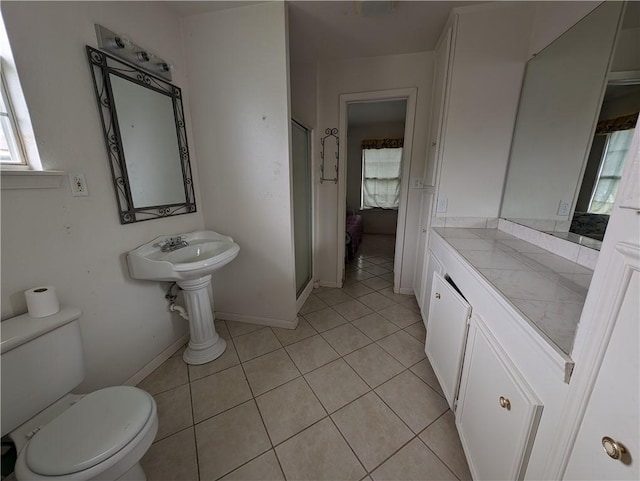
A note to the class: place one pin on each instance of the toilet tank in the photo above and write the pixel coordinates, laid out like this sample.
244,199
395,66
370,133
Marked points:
41,362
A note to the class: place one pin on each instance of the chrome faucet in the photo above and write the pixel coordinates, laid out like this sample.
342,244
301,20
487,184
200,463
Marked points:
172,244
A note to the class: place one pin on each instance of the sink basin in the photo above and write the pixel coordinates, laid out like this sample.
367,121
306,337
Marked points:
206,252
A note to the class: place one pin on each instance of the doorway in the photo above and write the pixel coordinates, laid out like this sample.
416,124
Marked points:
376,130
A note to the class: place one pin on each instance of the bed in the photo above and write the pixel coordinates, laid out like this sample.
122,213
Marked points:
353,235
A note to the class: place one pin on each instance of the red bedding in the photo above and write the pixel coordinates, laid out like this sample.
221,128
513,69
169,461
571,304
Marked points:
354,234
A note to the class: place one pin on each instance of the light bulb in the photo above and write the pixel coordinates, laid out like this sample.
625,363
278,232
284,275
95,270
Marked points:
116,43
126,42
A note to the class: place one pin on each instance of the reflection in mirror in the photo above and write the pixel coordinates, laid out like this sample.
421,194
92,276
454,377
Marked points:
144,131
605,163
558,111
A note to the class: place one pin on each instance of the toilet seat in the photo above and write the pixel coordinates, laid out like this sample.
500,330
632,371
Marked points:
92,437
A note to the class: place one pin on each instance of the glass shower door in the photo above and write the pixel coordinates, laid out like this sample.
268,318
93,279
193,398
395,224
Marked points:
302,207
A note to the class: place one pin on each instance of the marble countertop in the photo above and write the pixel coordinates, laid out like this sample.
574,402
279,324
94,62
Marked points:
547,289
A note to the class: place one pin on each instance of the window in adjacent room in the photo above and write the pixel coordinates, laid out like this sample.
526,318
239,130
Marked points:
381,162
11,149
610,172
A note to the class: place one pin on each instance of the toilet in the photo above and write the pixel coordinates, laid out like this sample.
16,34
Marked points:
58,435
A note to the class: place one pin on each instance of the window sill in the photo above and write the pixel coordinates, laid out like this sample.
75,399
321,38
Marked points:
379,209
31,179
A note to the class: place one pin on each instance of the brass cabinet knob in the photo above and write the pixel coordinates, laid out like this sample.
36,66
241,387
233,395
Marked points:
437,295
613,449
505,403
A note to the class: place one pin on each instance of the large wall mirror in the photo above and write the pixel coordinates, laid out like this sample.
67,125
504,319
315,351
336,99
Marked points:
579,102
144,130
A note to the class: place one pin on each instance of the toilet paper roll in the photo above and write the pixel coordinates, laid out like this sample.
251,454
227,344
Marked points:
42,301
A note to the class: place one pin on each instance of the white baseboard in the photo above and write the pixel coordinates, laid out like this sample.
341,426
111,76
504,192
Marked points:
263,321
155,363
328,284
406,290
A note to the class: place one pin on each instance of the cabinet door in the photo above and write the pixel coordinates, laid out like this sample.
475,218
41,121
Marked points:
446,335
440,77
498,412
422,254
432,265
611,420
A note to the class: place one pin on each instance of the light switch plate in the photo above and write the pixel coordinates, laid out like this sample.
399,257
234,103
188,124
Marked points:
564,208
441,205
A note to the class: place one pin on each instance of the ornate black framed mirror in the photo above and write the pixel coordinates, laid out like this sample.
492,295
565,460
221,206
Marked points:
144,132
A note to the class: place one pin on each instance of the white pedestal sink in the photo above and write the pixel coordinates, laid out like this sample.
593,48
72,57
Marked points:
189,260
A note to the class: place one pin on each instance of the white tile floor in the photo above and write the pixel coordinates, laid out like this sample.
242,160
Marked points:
348,395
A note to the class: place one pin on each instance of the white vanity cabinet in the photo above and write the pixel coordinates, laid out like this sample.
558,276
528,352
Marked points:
504,355
449,314
498,411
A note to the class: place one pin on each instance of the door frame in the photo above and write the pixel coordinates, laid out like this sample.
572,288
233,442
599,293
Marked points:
410,95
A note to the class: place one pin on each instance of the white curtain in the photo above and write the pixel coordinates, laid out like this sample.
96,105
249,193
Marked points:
381,178
604,193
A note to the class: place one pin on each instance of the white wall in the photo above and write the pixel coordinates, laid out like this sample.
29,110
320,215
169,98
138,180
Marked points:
627,56
552,19
374,221
490,51
363,75
238,78
304,92
77,243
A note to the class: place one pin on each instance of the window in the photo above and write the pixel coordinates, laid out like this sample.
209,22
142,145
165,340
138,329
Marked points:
11,151
606,186
381,174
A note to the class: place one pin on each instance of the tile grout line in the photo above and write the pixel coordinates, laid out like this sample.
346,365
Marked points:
429,447
255,403
241,364
329,415
275,453
438,457
195,437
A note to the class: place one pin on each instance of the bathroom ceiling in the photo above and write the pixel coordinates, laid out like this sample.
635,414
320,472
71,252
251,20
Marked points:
333,30
187,8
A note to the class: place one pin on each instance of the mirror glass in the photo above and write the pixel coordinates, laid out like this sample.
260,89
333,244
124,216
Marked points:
561,98
144,131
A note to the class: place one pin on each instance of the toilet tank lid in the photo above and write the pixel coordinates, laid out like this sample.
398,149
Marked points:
16,331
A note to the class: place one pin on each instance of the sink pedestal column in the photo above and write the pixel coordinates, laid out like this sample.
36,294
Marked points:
205,344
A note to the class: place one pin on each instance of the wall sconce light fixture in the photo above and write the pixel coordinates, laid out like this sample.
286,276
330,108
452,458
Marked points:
121,46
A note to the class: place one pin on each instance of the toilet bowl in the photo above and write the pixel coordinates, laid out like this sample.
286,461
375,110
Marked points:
100,437
59,435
